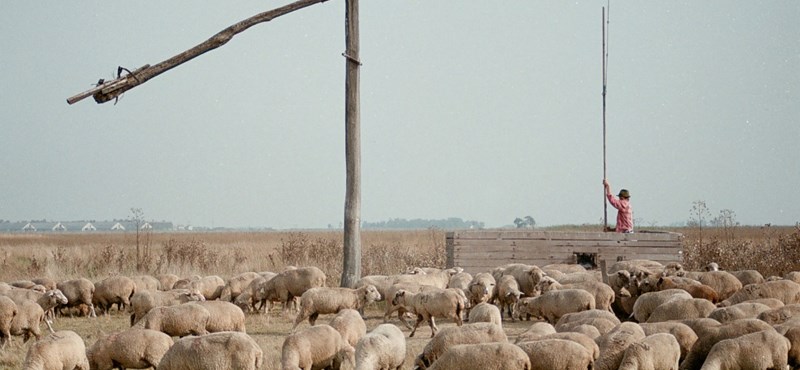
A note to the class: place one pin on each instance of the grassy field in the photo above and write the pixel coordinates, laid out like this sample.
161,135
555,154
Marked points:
770,250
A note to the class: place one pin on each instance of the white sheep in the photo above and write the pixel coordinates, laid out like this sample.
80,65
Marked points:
474,333
384,348
496,356
209,286
527,276
113,290
614,343
439,279
682,333
588,314
654,352
46,300
236,285
391,307
601,324
603,294
680,309
554,304
224,316
27,320
743,310
708,336
429,305
747,277
486,312
60,350
132,348
548,354
786,291
760,350
177,321
216,351
648,302
582,339
536,331
289,284
508,294
78,291
8,309
143,302
381,282
146,282
350,325
780,315
695,288
723,282
461,281
324,300
579,277
167,281
46,282
481,289
318,346
793,335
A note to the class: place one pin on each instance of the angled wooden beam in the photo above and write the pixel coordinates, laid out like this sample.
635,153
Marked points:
108,90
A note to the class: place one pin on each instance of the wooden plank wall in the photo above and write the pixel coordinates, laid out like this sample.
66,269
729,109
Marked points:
478,251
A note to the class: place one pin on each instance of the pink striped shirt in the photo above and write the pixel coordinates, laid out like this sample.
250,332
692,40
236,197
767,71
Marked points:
624,213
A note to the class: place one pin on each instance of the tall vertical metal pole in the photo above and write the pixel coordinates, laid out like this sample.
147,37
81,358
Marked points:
605,200
351,265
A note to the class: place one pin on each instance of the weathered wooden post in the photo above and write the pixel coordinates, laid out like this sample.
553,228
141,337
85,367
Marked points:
351,267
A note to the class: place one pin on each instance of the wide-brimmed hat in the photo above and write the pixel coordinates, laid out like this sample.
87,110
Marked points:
624,193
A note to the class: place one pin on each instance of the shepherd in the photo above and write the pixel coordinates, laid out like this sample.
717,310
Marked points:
623,206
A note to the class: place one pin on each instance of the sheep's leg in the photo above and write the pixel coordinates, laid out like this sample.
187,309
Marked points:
432,323
300,317
419,320
91,309
49,327
313,318
401,314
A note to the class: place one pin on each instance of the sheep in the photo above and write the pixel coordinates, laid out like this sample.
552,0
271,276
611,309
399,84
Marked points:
60,350
654,352
8,310
27,320
587,330
177,321
527,276
245,302
744,310
381,282
601,324
567,268
4,287
113,290
473,333
682,333
439,279
679,309
537,331
131,348
209,286
236,285
350,325
47,300
497,356
614,343
481,289
486,312
648,302
427,305
401,310
760,350
694,288
582,339
22,284
793,276
780,315
323,300
770,302
318,346
78,291
603,294
554,304
382,348
747,277
185,283
250,295
143,302
787,291
707,336
289,284
225,316
548,354
216,351
166,281
723,282
625,291
508,294
47,283
461,281
793,335
579,277
146,282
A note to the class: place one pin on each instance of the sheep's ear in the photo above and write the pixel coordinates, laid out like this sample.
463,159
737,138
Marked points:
660,281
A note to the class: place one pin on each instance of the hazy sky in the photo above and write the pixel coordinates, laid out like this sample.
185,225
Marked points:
480,110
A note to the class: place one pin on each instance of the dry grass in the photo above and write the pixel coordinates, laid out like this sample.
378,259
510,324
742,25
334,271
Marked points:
770,250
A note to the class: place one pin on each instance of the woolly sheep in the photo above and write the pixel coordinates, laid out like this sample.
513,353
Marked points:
177,321
682,333
47,283
496,356
481,289
579,277
567,268
693,287
22,284
654,352
323,300
760,350
113,290
787,291
648,302
793,276
602,293
381,282
614,343
60,350
428,305
166,281
27,320
536,332
185,283
439,279
508,294
587,330
770,302
793,335
679,309
78,291
216,351
473,333
460,280
146,282
382,348
485,312
245,302
250,296
350,325
554,304
780,315
224,316
143,302
708,336
392,307
723,282
318,346
582,339
548,354
8,309
209,286
131,348
527,276
289,284
744,310
236,285
47,300
601,324
747,277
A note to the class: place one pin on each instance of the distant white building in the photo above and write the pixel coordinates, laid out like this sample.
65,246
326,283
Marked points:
146,226
118,227
29,227
88,227
59,227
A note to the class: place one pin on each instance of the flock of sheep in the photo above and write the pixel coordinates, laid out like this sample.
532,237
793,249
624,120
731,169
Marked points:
638,314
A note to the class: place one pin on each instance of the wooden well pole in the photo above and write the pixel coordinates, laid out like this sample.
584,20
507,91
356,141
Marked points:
351,267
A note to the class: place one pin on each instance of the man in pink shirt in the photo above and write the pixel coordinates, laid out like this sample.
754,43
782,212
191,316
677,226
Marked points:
623,206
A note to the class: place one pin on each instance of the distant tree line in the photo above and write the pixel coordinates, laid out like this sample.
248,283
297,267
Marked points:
419,223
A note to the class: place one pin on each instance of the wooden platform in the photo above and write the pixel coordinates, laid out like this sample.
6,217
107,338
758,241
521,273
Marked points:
481,250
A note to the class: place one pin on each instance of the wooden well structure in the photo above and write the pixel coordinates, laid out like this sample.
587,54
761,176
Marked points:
482,250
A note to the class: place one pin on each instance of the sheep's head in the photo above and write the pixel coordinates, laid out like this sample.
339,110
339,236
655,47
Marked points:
546,284
371,294
195,295
57,296
399,297
39,288
711,266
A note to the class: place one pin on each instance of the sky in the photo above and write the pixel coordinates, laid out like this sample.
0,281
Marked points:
471,110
